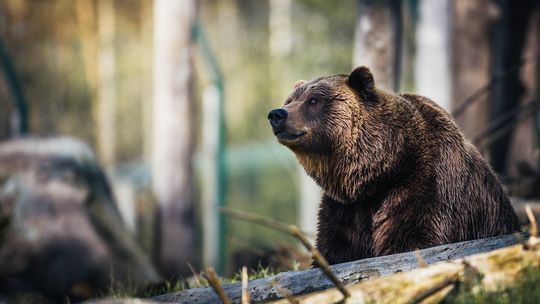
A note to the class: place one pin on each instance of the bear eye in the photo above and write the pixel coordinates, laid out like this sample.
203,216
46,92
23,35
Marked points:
312,101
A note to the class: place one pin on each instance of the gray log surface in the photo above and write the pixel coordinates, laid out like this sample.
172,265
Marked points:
301,282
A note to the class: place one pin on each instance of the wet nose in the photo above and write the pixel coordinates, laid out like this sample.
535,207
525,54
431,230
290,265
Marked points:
277,117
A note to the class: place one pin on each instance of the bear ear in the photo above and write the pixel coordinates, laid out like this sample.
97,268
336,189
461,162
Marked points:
361,81
299,83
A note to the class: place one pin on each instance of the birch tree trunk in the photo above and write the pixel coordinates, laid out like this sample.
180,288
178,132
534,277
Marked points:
173,134
432,51
145,34
106,107
377,42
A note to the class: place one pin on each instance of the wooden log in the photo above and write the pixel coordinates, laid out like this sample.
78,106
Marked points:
301,282
430,285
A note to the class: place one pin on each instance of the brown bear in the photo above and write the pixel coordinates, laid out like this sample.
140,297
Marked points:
396,171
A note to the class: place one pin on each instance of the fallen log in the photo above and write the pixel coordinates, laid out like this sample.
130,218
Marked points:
302,282
489,270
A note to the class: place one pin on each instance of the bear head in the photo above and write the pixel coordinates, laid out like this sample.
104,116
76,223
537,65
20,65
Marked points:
333,125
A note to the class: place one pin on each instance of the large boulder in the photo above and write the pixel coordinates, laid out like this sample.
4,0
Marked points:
60,231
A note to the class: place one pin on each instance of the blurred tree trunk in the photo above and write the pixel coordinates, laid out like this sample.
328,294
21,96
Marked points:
86,21
471,24
173,137
106,86
432,51
19,115
508,42
523,152
377,42
87,25
146,78
408,49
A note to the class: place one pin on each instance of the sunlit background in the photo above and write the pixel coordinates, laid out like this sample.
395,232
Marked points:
172,97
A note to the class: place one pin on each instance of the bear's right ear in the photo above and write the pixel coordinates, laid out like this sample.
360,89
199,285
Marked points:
361,81
299,83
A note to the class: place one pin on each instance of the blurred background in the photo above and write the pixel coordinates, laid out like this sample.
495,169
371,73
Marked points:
165,102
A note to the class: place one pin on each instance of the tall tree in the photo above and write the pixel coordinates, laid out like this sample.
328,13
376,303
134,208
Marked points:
19,115
106,107
508,41
377,41
173,136
432,51
470,64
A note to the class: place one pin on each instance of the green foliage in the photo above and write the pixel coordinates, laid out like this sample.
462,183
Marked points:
239,32
525,290
253,274
120,291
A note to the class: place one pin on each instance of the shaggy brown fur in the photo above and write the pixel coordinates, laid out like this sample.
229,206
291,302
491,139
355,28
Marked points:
397,173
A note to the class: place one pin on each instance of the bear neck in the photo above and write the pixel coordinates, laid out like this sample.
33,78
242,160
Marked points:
373,161
351,177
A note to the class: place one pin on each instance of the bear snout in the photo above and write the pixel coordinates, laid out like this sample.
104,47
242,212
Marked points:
277,117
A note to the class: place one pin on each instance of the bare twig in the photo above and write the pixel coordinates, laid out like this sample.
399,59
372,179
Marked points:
301,236
195,275
532,219
505,122
420,259
471,275
211,276
521,240
298,234
451,280
486,88
321,262
285,293
254,218
245,292
261,220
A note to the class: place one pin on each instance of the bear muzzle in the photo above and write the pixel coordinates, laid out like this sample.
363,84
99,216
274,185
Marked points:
277,118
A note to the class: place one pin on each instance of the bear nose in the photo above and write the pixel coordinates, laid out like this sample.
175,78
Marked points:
277,117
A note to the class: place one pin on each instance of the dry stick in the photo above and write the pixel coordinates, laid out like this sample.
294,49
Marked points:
521,240
321,262
285,293
505,122
451,280
255,219
532,219
298,234
245,293
195,275
420,259
486,88
213,280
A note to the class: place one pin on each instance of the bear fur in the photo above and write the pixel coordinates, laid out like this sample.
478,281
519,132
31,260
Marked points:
397,173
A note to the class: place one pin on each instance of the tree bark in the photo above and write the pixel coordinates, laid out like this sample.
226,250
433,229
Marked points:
377,42
523,151
106,107
508,38
173,137
471,21
432,51
430,285
301,282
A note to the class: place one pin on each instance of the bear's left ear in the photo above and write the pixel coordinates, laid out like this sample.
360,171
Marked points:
299,83
361,81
